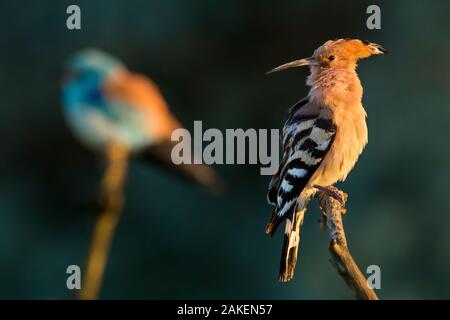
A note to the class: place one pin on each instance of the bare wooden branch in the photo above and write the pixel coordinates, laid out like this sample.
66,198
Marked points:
112,201
332,203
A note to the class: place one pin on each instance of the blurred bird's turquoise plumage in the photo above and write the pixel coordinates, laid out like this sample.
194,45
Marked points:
96,118
106,104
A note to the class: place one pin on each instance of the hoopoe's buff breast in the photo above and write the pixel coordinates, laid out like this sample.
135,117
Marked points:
340,93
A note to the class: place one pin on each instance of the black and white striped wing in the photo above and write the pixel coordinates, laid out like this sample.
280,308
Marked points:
307,137
274,182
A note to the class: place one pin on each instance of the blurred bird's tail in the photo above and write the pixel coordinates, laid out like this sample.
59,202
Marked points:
202,174
290,245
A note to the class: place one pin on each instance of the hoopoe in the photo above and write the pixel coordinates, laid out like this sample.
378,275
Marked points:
104,103
322,138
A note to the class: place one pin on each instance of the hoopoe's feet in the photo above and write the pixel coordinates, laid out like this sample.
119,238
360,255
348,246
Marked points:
333,192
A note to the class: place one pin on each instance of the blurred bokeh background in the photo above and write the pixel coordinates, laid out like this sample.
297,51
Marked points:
209,59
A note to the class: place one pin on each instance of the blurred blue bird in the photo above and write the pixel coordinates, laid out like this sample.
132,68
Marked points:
105,104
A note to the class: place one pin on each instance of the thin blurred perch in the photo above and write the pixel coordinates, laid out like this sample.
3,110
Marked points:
333,207
112,200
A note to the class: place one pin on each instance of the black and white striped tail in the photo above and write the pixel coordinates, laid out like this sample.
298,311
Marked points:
290,246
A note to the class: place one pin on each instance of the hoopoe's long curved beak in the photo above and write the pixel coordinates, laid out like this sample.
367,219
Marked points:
311,61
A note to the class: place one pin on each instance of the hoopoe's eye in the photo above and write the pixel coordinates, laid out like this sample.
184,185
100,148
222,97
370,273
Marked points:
331,58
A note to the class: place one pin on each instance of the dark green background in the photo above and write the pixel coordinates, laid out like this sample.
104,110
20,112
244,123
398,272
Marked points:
209,59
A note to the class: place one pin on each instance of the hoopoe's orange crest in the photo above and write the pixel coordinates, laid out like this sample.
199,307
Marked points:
337,54
344,53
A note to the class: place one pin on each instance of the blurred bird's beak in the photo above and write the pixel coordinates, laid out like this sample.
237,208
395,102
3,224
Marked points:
62,76
66,76
311,61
